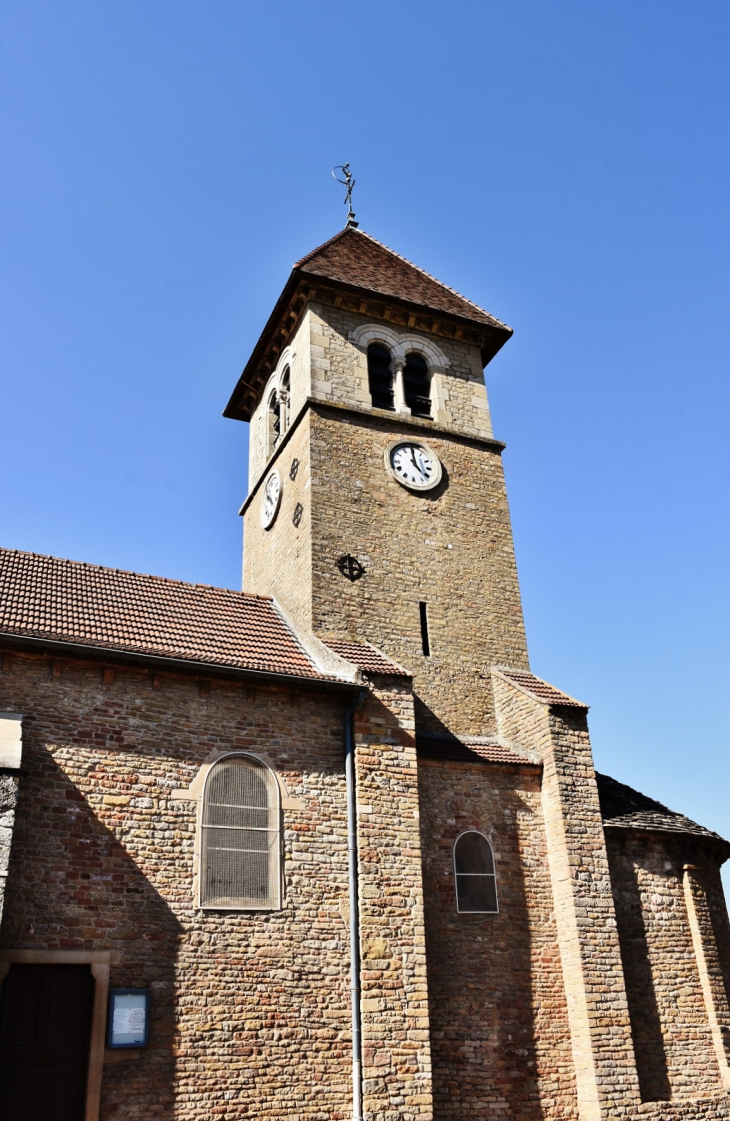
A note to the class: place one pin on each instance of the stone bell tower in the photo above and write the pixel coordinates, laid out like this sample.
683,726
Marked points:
376,509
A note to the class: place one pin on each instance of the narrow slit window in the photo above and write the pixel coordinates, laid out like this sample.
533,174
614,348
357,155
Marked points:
240,849
425,640
474,876
417,386
380,377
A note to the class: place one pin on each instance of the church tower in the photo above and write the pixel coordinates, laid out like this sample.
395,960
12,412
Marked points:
376,509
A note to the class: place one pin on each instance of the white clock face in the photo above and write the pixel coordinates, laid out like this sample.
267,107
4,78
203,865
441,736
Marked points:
414,465
270,499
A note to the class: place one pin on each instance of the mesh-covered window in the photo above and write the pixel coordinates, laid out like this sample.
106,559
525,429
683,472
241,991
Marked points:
380,377
476,883
417,385
240,865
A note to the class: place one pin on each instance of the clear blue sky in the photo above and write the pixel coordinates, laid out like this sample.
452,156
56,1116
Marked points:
564,164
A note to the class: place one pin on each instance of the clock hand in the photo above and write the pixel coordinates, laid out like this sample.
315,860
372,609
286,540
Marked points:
415,462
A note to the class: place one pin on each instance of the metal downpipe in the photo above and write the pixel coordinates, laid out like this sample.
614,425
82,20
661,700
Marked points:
354,907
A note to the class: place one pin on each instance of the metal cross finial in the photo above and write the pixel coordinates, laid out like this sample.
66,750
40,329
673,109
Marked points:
348,182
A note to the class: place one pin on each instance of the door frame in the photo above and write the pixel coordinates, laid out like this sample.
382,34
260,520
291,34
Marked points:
99,961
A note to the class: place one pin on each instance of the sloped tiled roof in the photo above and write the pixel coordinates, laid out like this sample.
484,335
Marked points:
622,807
366,658
64,601
355,258
541,690
365,266
466,749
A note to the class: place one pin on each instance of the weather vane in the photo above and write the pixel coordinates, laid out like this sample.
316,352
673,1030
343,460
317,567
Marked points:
349,183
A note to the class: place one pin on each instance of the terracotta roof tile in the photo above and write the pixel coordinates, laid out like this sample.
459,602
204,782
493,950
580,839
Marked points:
541,690
355,258
622,807
466,749
65,601
357,261
367,658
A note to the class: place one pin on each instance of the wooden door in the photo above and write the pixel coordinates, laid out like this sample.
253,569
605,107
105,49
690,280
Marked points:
45,1026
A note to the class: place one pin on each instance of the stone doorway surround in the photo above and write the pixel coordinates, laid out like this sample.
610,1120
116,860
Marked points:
98,961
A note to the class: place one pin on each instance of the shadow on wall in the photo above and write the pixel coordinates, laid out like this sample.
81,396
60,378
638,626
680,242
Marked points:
646,1027
428,721
73,886
481,998
707,875
711,879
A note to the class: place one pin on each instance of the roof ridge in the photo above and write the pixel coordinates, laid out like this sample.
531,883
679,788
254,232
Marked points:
130,572
293,633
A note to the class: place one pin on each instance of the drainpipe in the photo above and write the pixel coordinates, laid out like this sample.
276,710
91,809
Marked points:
354,908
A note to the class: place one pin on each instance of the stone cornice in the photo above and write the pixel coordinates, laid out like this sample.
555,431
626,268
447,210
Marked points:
395,421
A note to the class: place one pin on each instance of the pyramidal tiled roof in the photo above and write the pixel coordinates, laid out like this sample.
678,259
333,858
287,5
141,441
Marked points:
622,807
65,601
368,268
355,258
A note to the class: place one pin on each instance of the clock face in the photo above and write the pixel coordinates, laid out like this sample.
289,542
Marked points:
270,499
414,465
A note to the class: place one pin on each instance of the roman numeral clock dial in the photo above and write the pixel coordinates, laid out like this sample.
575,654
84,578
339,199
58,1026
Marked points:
413,465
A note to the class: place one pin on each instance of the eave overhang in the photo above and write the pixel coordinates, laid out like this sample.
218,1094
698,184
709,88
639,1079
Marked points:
303,288
113,656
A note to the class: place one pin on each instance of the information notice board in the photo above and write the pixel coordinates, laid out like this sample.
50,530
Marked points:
129,1017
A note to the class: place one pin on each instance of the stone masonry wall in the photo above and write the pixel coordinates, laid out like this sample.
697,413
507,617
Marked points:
339,370
451,548
500,1035
250,1011
395,1026
298,357
675,1056
700,882
603,1058
324,363
278,561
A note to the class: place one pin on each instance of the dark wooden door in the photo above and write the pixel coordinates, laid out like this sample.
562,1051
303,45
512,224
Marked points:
45,1026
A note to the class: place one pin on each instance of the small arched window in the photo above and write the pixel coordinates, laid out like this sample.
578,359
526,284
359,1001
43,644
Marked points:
474,876
285,396
417,385
240,858
380,377
273,424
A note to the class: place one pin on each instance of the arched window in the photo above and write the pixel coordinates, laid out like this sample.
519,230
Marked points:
285,396
475,881
240,861
380,377
417,385
273,423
